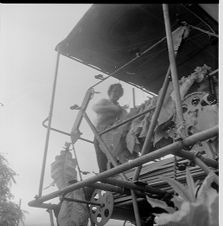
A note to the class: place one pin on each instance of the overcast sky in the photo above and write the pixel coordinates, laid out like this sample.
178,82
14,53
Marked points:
28,36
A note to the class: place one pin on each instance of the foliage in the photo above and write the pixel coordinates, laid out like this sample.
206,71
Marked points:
10,213
6,177
63,171
200,209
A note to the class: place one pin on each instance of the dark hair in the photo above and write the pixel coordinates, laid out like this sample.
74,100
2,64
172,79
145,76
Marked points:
113,86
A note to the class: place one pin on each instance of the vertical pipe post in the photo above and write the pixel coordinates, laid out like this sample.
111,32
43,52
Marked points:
51,216
173,63
78,166
146,146
133,97
114,162
48,128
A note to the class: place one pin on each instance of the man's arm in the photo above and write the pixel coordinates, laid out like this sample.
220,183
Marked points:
105,105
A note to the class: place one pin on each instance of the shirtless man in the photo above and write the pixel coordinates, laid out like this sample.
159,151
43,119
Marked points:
108,111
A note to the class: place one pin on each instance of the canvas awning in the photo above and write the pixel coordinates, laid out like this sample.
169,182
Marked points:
110,35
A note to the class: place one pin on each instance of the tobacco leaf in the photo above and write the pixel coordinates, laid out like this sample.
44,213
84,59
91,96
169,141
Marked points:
190,214
178,187
159,203
190,184
201,211
63,169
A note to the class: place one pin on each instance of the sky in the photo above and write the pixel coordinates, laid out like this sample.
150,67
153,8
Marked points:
28,36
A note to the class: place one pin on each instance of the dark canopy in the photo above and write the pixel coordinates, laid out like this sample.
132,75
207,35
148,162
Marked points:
110,35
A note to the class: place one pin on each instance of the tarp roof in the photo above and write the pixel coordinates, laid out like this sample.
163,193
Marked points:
110,35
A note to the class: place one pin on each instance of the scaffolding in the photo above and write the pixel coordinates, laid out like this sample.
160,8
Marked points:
103,180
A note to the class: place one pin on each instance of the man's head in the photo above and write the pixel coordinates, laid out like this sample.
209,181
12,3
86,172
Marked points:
115,91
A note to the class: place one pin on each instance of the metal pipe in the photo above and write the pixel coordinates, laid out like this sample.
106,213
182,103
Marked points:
114,162
192,156
114,127
78,166
213,72
51,216
203,31
113,188
130,185
75,133
128,202
105,147
45,205
128,63
136,208
108,187
81,201
201,162
127,120
48,129
206,169
173,67
147,143
169,149
133,97
63,132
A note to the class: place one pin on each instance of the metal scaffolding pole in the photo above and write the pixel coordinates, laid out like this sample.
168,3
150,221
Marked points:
169,149
63,132
127,184
108,187
48,129
113,161
173,67
127,120
147,143
51,216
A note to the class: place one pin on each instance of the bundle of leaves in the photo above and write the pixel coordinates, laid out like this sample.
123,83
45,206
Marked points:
194,207
10,213
63,171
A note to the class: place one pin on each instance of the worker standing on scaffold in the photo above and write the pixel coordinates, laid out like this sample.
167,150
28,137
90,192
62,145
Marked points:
108,111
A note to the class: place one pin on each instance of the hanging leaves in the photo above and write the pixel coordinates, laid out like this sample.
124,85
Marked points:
190,184
62,171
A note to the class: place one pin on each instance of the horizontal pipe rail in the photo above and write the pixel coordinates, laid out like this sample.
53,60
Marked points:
63,132
129,62
191,156
82,201
45,205
128,202
213,72
203,31
127,120
147,145
108,187
131,185
169,149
